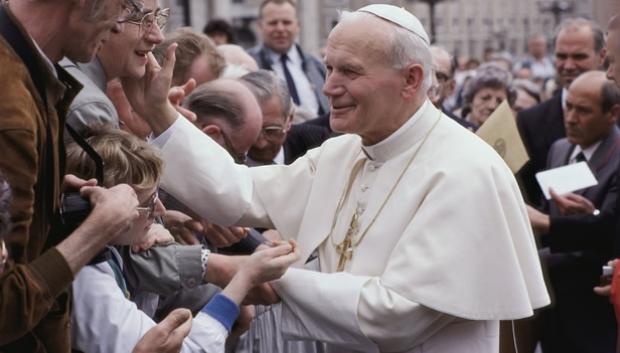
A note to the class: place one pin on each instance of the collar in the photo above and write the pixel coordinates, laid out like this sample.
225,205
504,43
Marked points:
409,134
94,71
279,157
563,95
47,60
588,152
292,53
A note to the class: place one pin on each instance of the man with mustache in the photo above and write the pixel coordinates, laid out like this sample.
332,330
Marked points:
579,47
579,320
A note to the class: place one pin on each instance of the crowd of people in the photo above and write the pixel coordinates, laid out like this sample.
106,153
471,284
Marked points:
171,191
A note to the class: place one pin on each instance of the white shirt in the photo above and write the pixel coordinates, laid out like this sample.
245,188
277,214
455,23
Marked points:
104,321
587,153
307,97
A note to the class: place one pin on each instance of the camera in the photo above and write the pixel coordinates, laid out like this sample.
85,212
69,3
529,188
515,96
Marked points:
73,210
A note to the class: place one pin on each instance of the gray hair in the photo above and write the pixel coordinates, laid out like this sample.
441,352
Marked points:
209,101
529,87
265,84
489,76
5,202
402,48
598,35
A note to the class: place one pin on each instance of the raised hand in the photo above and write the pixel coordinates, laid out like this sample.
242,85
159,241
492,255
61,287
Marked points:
168,335
183,227
113,209
221,237
157,235
149,95
176,96
268,264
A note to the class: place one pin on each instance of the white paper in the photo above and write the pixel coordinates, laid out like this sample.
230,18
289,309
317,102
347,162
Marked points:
566,179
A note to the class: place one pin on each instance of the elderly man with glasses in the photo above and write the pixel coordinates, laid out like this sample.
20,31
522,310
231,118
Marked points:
279,142
125,54
163,270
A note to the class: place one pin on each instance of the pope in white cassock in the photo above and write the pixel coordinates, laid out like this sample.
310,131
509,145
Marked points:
423,238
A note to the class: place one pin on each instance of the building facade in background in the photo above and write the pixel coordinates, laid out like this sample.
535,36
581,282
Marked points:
465,27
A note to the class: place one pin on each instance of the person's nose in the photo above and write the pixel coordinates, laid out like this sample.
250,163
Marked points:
333,86
155,35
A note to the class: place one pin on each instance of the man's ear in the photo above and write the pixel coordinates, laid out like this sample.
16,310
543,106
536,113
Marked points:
414,76
602,56
613,113
214,132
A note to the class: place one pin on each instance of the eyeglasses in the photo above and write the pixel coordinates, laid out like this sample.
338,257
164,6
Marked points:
146,19
149,206
274,132
239,157
441,77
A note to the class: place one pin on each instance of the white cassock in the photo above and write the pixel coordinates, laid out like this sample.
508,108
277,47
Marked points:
444,255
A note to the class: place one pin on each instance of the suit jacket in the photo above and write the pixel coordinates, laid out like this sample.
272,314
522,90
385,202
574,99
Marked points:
301,138
573,232
540,126
33,299
581,321
313,67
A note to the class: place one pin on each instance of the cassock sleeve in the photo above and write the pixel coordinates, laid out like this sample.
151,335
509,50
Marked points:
353,311
201,175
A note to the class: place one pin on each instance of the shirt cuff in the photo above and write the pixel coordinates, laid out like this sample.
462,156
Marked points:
223,310
161,140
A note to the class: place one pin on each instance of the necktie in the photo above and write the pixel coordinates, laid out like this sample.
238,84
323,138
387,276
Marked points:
289,79
580,157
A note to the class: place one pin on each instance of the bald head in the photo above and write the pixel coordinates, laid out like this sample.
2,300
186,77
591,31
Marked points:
592,105
234,54
444,72
227,111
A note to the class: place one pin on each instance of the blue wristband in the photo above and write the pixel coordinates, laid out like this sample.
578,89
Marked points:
223,310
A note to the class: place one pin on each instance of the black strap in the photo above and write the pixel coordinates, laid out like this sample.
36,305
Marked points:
99,164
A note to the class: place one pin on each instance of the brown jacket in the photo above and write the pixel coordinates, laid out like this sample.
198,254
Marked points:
34,302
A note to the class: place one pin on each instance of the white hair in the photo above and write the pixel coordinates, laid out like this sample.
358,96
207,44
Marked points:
233,71
402,48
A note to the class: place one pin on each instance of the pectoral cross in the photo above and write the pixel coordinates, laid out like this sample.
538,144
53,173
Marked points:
345,249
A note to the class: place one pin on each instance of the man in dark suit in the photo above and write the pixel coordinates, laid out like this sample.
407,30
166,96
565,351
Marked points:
579,320
579,47
279,142
303,73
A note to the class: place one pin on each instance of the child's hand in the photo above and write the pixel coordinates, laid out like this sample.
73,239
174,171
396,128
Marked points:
268,264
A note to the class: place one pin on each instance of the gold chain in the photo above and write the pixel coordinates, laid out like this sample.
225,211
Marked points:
348,244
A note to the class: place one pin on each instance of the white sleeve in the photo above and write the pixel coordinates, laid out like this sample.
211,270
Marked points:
103,320
356,312
201,174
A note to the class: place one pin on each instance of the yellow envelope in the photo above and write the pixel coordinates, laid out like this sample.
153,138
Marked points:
501,132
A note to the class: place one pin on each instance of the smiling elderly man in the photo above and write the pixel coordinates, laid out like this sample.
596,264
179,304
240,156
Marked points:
410,259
